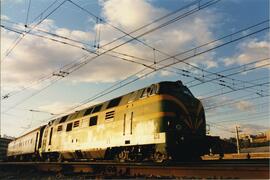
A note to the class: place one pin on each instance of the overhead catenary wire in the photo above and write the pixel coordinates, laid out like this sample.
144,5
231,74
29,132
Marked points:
146,66
258,115
219,76
27,14
232,40
232,110
228,76
201,6
109,90
149,66
245,70
231,102
137,78
246,95
154,21
235,90
18,40
89,51
219,82
223,88
174,57
233,113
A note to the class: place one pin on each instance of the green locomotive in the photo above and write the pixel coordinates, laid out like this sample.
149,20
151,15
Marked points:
160,122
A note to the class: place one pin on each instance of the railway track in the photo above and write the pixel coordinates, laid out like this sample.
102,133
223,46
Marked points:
225,169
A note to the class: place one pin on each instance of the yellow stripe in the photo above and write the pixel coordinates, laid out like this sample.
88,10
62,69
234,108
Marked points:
156,115
200,122
197,115
179,103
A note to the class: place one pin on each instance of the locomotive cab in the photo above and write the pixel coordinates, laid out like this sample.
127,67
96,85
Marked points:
186,132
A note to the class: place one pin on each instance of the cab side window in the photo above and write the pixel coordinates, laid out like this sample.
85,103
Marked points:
69,127
93,121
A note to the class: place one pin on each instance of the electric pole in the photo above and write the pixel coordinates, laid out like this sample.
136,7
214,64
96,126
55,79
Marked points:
237,139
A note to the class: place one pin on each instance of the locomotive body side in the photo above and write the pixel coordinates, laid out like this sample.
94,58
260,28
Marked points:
130,124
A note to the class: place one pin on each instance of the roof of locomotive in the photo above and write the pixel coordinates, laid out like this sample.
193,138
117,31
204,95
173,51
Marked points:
124,100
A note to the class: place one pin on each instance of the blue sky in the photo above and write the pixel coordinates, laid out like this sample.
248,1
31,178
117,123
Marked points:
36,57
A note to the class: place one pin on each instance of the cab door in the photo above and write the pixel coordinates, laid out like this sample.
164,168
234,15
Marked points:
127,126
44,140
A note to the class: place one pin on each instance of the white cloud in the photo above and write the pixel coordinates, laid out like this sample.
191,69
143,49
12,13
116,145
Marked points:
243,105
78,35
4,17
12,1
35,57
165,73
32,58
249,51
55,107
253,128
63,107
130,14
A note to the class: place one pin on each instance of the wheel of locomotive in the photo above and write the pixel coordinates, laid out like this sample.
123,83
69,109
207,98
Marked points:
60,158
158,157
122,156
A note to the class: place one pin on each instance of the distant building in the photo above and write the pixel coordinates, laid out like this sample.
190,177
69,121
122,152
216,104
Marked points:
268,135
3,147
258,138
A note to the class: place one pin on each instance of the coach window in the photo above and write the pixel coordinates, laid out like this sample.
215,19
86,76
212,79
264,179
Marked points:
69,127
114,102
50,138
63,119
88,111
93,121
59,128
97,108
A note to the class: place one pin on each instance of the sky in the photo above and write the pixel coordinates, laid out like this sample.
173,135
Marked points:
51,67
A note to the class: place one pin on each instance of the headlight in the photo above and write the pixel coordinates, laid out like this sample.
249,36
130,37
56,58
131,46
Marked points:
178,127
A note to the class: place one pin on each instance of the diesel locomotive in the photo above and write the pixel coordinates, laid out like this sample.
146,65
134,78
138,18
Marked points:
160,122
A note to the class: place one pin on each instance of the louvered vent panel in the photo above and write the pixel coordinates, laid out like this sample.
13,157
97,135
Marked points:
76,124
109,115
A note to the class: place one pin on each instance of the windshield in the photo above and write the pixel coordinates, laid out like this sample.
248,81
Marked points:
187,91
175,88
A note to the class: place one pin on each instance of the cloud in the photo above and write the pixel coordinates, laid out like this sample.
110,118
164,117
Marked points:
120,13
243,105
213,102
249,51
12,1
253,128
78,35
32,58
55,107
64,107
35,57
4,17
